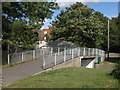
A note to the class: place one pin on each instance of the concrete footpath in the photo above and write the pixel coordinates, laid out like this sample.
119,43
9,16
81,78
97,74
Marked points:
21,71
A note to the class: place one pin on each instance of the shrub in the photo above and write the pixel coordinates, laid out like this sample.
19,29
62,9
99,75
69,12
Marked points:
116,71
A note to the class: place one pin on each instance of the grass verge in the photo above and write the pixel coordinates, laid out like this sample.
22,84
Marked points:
69,78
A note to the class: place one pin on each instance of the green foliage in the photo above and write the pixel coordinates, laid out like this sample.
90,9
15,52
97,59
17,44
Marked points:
115,35
47,37
116,71
35,12
10,65
81,25
19,18
20,37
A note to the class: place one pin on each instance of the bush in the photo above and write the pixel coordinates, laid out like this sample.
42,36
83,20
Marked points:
59,43
116,72
66,44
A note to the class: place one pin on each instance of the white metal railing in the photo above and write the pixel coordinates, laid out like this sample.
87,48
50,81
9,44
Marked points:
53,56
63,54
18,57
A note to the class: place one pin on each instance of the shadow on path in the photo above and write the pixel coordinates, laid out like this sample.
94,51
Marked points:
21,71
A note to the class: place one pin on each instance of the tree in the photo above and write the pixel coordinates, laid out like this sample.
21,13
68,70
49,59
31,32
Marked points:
115,35
35,12
19,18
79,24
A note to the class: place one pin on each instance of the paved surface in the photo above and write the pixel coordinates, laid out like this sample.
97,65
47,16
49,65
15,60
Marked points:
105,66
113,55
21,71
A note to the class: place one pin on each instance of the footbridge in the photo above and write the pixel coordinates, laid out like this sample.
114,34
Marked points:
85,57
53,56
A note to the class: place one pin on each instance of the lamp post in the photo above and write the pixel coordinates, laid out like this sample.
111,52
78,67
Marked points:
108,40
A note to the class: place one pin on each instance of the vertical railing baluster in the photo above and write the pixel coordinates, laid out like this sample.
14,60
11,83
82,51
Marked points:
43,59
55,60
22,57
84,52
72,53
8,58
64,54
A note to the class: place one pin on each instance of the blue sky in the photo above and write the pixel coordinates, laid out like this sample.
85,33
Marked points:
109,9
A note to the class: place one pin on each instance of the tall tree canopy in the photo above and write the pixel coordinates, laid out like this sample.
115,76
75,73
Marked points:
35,12
115,34
19,18
81,25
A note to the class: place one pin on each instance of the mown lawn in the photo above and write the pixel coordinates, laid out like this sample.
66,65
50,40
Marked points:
69,78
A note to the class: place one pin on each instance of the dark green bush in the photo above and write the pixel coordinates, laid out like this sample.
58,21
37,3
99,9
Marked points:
116,71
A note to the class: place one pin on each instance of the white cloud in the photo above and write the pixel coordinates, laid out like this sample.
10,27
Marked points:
76,0
86,0
112,16
66,3
18,0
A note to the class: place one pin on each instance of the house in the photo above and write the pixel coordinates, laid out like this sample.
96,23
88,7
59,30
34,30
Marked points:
45,32
43,36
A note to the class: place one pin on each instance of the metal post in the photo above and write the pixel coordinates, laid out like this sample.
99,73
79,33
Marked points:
64,54
108,40
55,59
72,53
43,59
33,54
22,56
84,52
8,59
79,52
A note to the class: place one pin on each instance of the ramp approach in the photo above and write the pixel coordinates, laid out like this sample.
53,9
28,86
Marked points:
59,55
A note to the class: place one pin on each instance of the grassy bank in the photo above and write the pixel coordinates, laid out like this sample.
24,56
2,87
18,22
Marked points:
69,78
